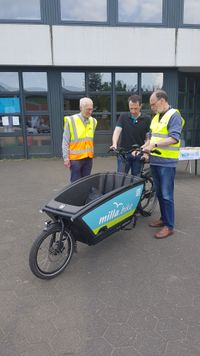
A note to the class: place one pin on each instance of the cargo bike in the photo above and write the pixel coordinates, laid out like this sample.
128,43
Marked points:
88,210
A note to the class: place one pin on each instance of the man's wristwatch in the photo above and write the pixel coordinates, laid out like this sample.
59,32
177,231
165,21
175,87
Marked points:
156,145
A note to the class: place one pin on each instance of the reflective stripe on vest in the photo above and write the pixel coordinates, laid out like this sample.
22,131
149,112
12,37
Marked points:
81,137
160,132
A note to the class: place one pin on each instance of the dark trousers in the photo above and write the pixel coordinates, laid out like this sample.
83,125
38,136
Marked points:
80,168
131,163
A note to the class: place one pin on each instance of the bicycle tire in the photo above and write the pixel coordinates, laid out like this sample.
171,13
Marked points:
149,199
51,252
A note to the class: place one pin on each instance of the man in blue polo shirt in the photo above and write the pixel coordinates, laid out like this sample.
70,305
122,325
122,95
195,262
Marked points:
131,128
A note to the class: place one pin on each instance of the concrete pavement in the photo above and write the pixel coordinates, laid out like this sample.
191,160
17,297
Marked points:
130,295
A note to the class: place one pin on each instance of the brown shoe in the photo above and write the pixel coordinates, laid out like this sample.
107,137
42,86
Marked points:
164,232
156,223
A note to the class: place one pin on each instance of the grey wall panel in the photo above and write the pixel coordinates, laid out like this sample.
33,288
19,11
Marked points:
56,110
171,86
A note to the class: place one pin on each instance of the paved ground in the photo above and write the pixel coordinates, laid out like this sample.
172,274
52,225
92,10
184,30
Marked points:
130,295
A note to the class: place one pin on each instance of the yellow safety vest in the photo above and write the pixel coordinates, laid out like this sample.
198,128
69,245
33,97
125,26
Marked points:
160,132
81,137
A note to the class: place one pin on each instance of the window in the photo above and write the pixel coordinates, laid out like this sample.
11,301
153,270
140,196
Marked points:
20,10
71,103
73,82
99,81
126,82
149,83
9,105
9,82
140,11
73,86
10,120
102,111
36,103
35,81
87,10
122,103
37,120
99,89
10,123
191,12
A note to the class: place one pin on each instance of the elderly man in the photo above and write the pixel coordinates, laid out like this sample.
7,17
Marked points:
166,127
78,140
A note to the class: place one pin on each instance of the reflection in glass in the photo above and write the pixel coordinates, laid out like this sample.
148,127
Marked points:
36,103
87,10
104,121
126,82
149,11
145,102
39,144
35,81
73,81
102,103
20,10
122,102
100,81
12,146
191,12
37,124
72,103
151,81
9,81
10,123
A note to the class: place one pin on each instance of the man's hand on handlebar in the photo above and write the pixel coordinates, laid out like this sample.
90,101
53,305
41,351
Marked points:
113,147
149,148
145,157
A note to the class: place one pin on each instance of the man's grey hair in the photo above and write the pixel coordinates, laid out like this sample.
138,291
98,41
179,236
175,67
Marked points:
84,101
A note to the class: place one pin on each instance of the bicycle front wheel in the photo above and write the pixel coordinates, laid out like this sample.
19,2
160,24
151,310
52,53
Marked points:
51,252
149,199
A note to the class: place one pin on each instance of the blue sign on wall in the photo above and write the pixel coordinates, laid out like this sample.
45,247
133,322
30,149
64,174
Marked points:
9,105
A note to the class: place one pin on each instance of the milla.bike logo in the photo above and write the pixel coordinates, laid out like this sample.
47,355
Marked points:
117,204
120,208
116,212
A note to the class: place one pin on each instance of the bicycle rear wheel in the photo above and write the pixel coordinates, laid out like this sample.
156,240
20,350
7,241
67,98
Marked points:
149,199
51,252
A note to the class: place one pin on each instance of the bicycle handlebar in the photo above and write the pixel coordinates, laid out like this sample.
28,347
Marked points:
123,152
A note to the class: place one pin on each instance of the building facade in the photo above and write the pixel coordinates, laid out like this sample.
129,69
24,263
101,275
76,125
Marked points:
53,52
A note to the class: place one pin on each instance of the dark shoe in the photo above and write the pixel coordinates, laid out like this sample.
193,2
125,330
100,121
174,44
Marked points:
164,232
157,223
